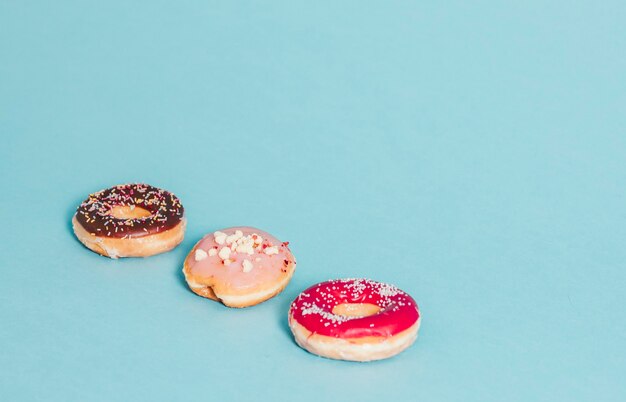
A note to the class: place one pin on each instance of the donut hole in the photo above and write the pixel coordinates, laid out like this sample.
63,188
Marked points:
356,309
129,212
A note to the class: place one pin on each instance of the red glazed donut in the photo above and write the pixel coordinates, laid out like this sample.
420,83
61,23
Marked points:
130,220
354,319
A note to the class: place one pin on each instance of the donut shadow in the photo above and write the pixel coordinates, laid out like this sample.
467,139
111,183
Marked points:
180,276
183,248
282,311
68,216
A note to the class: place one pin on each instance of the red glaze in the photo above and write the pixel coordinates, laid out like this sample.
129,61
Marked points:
313,309
94,213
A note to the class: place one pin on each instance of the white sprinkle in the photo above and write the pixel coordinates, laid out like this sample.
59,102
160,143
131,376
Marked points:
388,290
312,308
200,255
271,250
247,266
212,252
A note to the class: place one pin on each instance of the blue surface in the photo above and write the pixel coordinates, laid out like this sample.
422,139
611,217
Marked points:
472,154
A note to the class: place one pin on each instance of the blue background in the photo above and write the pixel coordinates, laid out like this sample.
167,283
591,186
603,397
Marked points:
472,154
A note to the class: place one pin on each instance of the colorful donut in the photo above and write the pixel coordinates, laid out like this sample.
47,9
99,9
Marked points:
239,266
354,319
130,220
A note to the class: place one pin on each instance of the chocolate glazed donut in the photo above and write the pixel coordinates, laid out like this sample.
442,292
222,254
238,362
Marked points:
130,220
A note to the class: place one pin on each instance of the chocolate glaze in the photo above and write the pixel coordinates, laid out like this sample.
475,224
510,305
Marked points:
95,217
313,309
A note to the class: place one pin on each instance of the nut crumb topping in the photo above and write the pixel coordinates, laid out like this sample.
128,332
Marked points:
200,255
224,253
220,238
235,246
271,250
247,266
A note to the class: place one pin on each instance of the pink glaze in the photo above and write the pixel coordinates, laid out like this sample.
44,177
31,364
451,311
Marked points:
267,268
313,309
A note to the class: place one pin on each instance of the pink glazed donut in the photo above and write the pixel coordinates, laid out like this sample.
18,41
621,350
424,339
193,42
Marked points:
354,319
239,266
